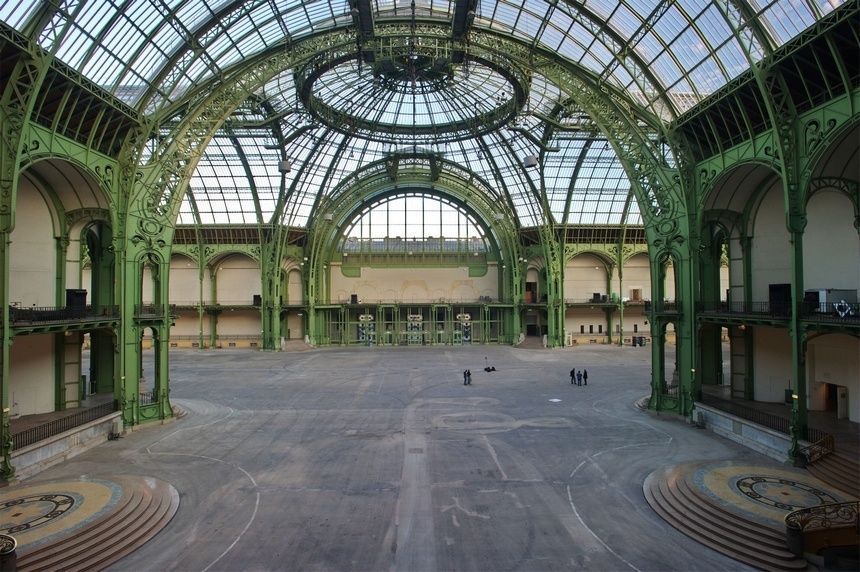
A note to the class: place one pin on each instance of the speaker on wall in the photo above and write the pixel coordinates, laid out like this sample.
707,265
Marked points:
258,300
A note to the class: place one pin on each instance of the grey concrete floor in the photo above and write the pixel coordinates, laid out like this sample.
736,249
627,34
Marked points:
380,459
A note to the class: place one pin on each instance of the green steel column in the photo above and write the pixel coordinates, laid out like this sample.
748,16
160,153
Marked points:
797,333
658,365
658,332
710,342
213,316
7,471
689,382
610,271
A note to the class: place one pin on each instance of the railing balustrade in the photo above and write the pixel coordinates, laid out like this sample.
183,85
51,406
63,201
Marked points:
147,397
820,448
52,314
49,429
763,418
822,518
153,310
830,312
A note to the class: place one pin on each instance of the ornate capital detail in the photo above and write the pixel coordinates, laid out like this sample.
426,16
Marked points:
815,134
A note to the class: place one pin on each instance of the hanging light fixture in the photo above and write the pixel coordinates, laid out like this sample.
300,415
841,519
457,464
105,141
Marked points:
284,166
530,161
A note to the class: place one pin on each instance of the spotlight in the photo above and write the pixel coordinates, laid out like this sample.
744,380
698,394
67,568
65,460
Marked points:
530,161
284,166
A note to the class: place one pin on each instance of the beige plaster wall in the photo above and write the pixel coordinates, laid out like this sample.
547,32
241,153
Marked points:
239,323
637,275
184,281
834,358
413,284
294,288
772,358
31,375
32,251
831,244
771,262
584,275
238,278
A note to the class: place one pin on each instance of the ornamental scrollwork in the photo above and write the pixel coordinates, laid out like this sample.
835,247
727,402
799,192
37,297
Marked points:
815,134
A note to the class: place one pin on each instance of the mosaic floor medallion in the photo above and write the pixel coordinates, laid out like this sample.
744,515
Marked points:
26,513
36,513
782,493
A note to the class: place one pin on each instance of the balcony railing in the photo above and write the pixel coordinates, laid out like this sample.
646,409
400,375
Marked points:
750,413
153,310
47,430
838,312
746,308
663,306
37,315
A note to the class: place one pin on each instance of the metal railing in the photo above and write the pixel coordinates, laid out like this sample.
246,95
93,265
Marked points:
663,306
839,312
46,430
153,310
763,418
826,517
147,397
53,314
818,449
747,308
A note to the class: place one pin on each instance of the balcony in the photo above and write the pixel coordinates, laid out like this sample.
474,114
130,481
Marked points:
153,311
60,318
838,314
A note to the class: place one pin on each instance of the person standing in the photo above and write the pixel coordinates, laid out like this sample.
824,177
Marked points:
468,377
579,378
465,377
585,377
572,376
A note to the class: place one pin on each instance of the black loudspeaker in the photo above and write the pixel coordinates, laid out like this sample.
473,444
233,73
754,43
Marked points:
353,298
595,297
76,298
258,300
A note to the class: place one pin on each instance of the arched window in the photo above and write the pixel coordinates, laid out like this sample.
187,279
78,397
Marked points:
413,221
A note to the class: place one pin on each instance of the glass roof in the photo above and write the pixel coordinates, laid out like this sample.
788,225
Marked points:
489,117
149,52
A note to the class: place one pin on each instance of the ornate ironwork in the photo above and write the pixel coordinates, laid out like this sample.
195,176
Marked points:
807,521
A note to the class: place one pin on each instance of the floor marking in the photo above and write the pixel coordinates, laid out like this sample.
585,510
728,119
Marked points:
600,540
229,414
465,511
494,456
256,501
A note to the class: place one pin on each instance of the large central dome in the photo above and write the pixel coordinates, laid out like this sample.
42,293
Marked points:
412,92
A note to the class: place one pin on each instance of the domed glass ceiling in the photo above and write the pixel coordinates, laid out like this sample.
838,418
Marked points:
486,116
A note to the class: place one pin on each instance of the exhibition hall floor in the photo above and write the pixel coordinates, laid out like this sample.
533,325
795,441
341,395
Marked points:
372,459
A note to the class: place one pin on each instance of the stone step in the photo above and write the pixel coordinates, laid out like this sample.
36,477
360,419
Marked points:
729,536
711,513
128,507
838,471
159,515
146,511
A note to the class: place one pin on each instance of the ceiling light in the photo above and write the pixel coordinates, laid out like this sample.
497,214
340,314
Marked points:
284,166
530,161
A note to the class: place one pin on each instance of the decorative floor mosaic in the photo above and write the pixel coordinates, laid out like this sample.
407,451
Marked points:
759,493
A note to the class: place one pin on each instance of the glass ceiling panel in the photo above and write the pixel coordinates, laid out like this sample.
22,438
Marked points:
124,46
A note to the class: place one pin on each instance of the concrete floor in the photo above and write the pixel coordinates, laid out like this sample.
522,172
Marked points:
380,459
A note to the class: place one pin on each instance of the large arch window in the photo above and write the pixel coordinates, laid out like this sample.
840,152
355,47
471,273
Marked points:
413,221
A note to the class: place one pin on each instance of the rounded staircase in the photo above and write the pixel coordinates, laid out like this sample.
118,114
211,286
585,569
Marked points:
737,509
86,524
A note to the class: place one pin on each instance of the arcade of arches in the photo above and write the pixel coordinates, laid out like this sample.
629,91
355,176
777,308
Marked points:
396,173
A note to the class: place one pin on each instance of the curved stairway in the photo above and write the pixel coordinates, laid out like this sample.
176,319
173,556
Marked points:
145,507
838,471
672,497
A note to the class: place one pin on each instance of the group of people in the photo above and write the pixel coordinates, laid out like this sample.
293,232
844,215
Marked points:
467,377
578,377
